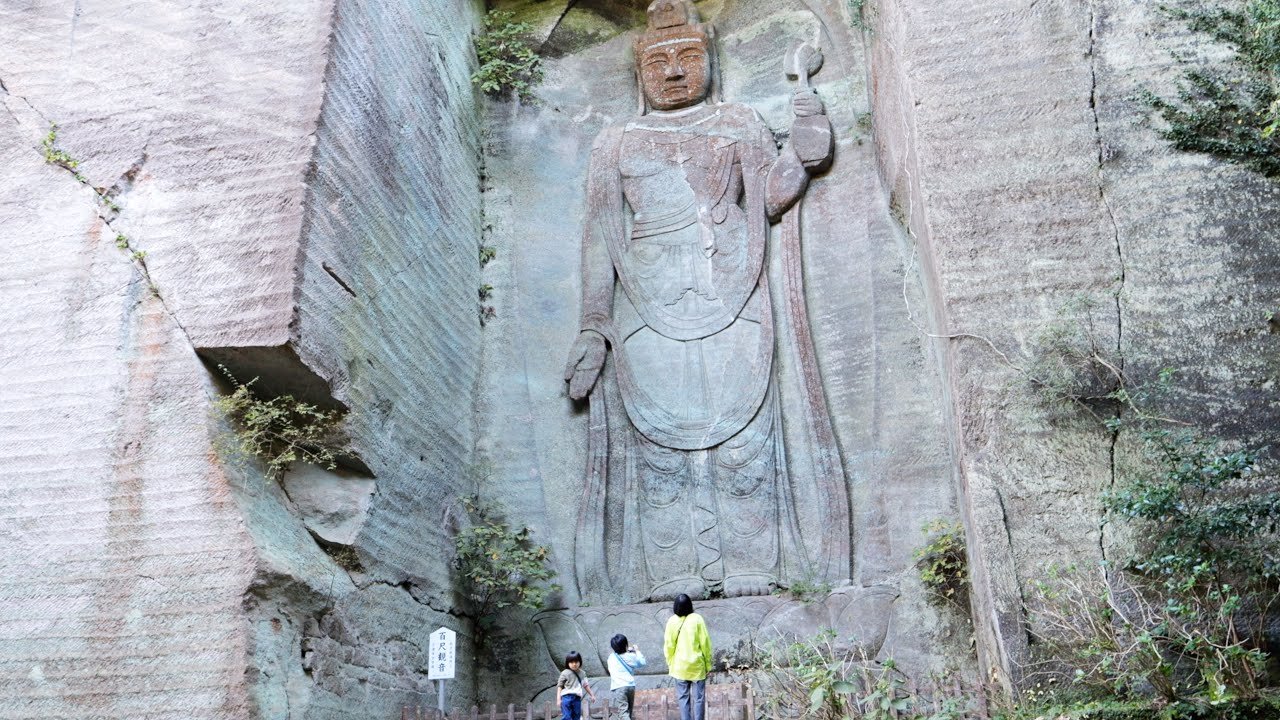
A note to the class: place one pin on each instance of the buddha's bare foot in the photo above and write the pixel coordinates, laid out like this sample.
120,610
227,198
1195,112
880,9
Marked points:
748,585
694,587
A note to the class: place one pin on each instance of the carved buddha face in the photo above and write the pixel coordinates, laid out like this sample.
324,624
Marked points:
676,73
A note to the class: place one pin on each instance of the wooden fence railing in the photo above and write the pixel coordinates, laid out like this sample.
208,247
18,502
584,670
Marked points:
724,702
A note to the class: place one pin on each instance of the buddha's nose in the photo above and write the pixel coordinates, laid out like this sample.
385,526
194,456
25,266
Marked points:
675,70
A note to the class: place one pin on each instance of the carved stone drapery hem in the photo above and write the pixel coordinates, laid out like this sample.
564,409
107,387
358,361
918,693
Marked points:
738,626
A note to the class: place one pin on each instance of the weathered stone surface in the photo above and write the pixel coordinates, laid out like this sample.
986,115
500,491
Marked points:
333,504
306,182
1029,177
199,118
386,315
173,586
126,559
1026,177
989,166
123,555
1197,237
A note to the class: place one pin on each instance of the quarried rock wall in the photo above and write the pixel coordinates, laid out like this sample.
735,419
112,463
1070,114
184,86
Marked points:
1198,237
387,314
217,213
125,556
296,192
1033,184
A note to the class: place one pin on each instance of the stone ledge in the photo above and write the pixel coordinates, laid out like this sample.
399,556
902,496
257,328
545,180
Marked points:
859,615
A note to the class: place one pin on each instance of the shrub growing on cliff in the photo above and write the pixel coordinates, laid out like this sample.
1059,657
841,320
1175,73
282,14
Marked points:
499,566
1185,616
509,66
943,563
1075,367
807,589
815,678
1233,111
279,431
53,155
1201,505
1072,363
1209,520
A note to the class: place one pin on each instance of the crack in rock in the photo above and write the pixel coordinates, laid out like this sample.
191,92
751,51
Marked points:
1104,155
408,586
125,182
25,101
107,215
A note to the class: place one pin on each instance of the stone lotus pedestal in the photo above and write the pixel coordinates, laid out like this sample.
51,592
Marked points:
859,616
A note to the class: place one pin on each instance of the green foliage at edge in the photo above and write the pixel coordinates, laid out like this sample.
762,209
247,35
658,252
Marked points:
819,678
1261,709
1181,617
279,431
1200,507
942,561
509,66
500,566
1231,112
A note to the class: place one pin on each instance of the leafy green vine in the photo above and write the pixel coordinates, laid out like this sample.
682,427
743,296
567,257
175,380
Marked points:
509,66
1233,111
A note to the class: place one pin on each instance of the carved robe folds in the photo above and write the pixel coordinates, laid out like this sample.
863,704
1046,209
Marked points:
688,489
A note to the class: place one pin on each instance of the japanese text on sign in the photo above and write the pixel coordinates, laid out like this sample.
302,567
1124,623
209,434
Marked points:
441,651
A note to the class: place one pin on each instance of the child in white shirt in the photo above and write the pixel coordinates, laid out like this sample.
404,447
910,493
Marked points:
623,663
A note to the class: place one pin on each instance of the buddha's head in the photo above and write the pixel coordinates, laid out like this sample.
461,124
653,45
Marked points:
674,56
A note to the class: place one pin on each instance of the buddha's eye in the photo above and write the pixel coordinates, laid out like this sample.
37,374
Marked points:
655,60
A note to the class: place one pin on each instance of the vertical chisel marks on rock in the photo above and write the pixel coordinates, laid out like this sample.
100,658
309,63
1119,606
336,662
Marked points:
75,20
1118,291
124,547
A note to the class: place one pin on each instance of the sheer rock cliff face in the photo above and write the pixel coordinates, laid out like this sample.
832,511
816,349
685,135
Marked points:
291,192
298,192
1030,176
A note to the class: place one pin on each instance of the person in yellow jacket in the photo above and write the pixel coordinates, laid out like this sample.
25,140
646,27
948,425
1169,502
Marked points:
687,646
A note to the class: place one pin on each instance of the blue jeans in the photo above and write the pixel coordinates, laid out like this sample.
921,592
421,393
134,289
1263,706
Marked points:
570,707
699,699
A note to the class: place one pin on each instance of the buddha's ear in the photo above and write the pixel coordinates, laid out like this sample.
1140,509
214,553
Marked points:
713,60
642,103
637,52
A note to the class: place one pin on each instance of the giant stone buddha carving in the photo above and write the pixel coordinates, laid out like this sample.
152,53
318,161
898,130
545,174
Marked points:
691,485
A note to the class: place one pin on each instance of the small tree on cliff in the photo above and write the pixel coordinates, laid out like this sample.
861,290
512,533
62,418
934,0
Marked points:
499,567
